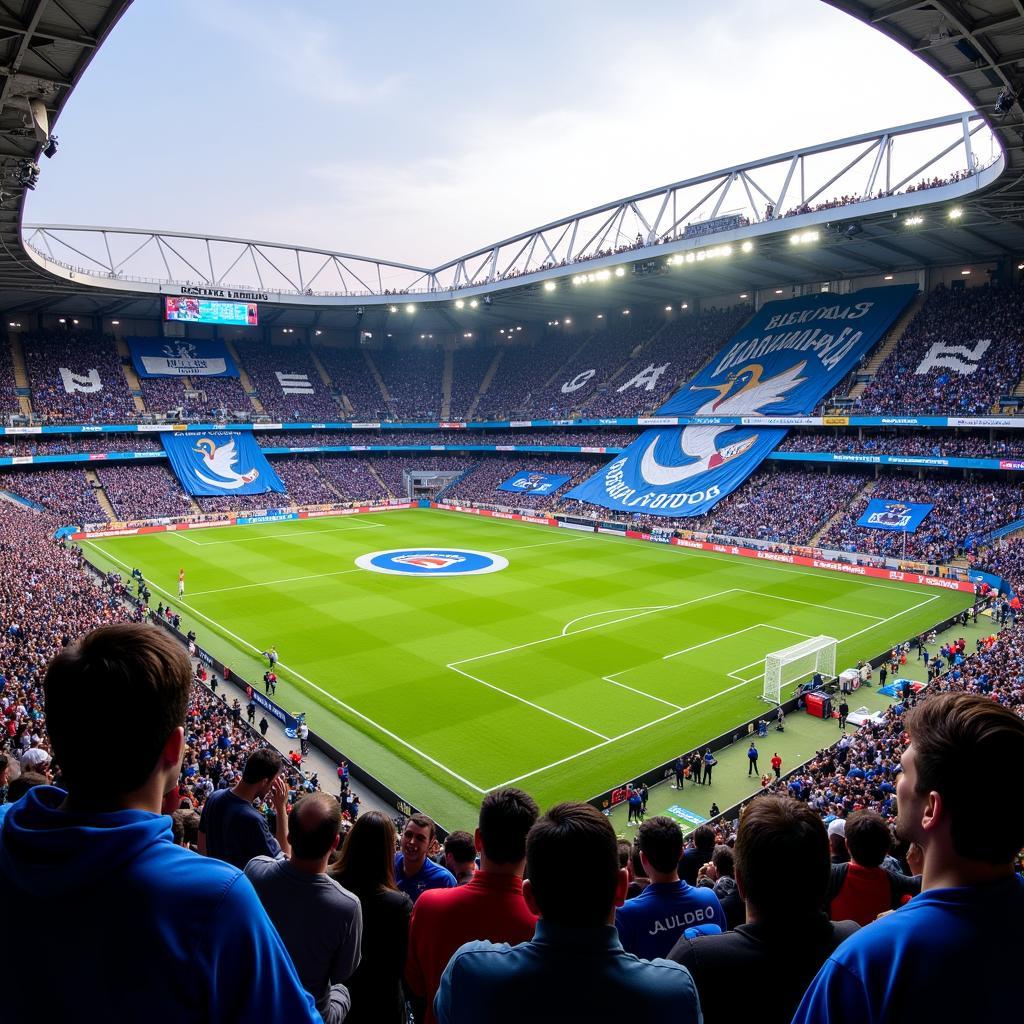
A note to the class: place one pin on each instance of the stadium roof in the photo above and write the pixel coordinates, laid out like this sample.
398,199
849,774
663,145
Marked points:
982,54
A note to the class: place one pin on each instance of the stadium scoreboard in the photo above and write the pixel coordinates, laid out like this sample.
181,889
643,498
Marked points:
190,310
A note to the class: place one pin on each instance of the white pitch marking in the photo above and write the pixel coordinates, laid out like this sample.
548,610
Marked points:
607,611
714,640
672,714
813,604
542,544
643,693
529,703
271,583
286,536
308,682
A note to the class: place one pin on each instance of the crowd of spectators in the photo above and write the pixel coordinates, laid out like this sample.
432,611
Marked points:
929,443
313,400
963,512
142,491
207,397
961,317
8,394
353,480
65,493
351,376
71,444
469,367
595,438
303,481
481,485
413,378
81,353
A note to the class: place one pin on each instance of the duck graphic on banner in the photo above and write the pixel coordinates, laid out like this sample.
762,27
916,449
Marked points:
220,462
782,362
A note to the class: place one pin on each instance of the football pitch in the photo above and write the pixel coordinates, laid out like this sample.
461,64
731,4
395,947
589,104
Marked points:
585,661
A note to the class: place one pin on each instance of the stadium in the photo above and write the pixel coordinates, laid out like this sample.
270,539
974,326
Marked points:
676,509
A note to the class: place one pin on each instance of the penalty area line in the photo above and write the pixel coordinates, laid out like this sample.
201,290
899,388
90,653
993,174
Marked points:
298,675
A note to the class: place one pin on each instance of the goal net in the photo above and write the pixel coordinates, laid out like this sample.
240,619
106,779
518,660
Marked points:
797,664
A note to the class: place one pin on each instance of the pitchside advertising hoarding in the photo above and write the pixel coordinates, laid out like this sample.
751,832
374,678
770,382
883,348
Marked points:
787,357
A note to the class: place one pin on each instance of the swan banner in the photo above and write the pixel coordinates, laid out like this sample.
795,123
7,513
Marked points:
787,357
220,462
171,357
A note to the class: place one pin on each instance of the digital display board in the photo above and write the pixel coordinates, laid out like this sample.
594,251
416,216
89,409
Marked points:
210,311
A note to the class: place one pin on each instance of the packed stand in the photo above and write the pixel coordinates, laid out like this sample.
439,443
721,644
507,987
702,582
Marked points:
983,325
88,357
582,437
413,379
304,484
274,368
8,396
143,492
392,469
683,346
964,511
74,443
925,443
351,376
352,479
481,485
208,397
523,371
63,492
469,367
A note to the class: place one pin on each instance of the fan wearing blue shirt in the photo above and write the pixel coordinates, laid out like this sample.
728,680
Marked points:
650,924
415,873
142,929
953,952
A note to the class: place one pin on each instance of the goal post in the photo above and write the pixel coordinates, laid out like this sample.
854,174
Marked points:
796,663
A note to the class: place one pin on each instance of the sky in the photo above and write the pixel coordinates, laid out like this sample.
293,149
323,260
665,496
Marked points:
416,132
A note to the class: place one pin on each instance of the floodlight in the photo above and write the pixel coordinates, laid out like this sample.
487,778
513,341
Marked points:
620,272
747,246
460,303
410,308
473,303
50,149
956,213
549,286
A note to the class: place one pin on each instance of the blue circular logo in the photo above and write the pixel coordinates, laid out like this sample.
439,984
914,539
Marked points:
432,562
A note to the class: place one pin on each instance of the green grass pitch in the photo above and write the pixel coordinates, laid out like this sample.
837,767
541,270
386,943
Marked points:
589,659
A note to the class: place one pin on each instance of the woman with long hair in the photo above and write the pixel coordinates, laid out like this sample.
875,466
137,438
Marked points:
367,868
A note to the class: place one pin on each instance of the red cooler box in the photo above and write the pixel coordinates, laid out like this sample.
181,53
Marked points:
819,704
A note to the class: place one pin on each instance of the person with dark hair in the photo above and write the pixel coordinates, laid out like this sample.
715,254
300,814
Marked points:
697,852
490,906
367,868
782,871
650,923
231,829
319,921
415,872
952,953
574,968
19,787
862,889
141,927
460,856
185,823
720,875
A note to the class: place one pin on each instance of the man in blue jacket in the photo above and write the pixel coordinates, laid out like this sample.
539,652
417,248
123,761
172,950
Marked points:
953,952
142,930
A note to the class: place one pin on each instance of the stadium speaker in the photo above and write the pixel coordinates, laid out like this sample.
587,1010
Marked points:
40,119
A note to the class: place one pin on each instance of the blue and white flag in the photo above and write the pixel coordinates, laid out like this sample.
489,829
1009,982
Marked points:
526,482
902,516
173,357
220,463
787,357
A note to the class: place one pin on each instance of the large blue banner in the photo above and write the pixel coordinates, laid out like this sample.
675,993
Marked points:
904,517
220,463
172,357
787,357
526,482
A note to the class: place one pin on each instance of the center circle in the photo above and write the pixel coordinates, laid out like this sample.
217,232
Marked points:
432,562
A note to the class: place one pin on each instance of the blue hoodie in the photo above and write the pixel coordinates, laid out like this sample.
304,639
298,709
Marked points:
136,928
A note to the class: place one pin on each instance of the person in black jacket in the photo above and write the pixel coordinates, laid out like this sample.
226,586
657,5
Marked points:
367,868
782,871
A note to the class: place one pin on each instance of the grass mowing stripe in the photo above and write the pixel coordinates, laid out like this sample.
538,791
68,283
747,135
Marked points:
298,675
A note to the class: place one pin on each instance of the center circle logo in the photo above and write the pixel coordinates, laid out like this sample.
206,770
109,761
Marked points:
432,562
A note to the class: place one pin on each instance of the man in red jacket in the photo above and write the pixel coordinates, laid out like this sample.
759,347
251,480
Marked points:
489,906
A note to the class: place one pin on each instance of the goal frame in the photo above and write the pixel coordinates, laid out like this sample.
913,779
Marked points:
823,650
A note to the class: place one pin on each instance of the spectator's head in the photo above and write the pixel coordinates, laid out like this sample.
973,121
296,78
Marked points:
367,862
145,674
661,846
261,768
704,840
724,861
185,823
459,853
867,838
5,770
506,817
314,829
837,841
625,848
782,858
962,826
23,783
572,867
417,835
